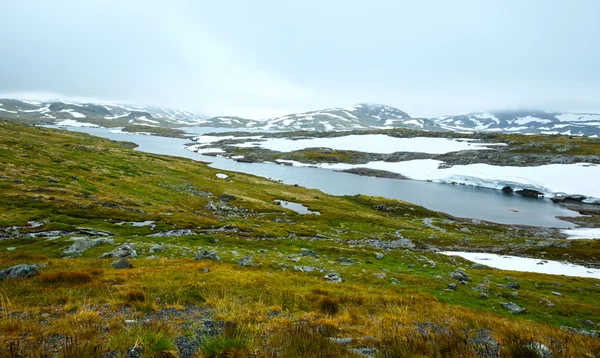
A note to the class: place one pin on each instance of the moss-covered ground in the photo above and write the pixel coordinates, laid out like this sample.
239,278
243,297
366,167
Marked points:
170,304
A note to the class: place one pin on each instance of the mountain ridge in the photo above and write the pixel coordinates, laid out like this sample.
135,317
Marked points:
357,117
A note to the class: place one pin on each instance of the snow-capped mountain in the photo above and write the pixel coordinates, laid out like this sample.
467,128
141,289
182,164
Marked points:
357,117
108,114
360,116
524,121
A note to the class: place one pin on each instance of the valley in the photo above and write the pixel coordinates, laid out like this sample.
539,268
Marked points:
210,258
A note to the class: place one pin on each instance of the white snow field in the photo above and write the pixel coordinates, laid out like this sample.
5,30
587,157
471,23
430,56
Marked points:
515,263
549,179
377,143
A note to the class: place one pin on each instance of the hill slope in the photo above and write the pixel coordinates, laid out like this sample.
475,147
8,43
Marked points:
109,115
525,121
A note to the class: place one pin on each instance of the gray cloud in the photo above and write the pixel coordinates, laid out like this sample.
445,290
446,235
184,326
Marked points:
267,57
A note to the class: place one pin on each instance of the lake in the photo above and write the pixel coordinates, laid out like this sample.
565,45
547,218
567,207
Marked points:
457,200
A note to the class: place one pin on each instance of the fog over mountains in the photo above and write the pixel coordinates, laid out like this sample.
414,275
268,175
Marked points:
357,117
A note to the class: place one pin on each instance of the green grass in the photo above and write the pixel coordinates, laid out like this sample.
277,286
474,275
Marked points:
71,180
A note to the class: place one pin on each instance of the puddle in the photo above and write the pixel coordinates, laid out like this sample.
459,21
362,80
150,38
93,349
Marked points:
297,207
515,263
138,223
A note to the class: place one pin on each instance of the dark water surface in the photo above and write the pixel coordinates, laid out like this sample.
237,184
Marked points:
457,200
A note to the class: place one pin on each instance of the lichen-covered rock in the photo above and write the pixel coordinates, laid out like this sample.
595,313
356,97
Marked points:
82,244
19,271
207,255
125,250
333,277
460,275
513,308
246,261
122,264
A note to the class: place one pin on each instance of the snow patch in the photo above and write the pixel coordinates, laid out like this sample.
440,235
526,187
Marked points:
74,123
521,264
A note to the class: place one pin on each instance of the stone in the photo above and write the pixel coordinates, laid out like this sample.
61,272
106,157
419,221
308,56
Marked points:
94,232
530,193
205,270
122,264
263,251
394,281
558,294
156,248
207,255
507,189
452,286
483,296
342,341
540,349
478,266
83,244
171,233
513,285
19,271
380,275
379,256
588,323
125,250
245,261
465,230
460,275
333,277
307,252
513,308
345,261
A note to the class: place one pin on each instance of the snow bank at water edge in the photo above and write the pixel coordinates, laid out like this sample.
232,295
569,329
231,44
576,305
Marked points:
515,263
551,179
378,143
74,123
582,233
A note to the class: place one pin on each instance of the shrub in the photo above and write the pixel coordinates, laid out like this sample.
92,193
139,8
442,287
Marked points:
233,341
134,296
328,305
66,277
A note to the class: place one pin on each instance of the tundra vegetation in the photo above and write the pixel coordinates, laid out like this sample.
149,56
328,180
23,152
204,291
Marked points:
142,255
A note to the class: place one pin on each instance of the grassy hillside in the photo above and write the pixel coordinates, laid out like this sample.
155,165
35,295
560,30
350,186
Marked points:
56,185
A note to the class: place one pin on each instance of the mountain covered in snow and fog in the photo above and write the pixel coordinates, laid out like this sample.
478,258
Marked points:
357,117
360,116
108,114
524,121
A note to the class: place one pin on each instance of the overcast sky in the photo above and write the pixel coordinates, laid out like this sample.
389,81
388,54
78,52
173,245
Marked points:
267,57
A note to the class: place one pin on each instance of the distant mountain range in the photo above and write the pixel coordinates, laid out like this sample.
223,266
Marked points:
360,116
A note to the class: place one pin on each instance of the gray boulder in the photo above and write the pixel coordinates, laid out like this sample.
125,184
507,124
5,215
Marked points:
207,255
122,264
83,244
514,285
333,277
345,261
307,252
94,232
379,256
478,266
513,308
125,250
19,271
452,286
245,261
540,349
460,275
170,233
157,248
